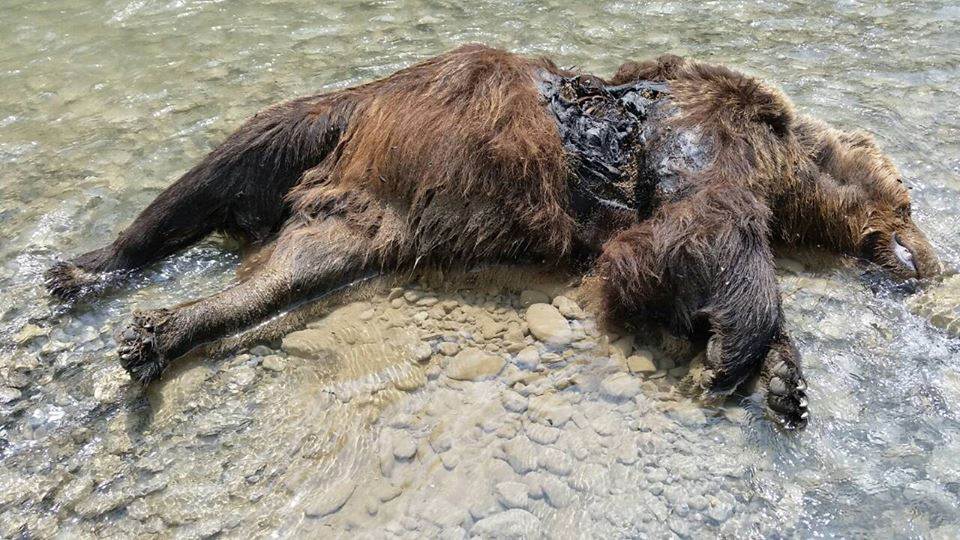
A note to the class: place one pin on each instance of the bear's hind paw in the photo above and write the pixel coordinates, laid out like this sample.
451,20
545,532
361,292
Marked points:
137,347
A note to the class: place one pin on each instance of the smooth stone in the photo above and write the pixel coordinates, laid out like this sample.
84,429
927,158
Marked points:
530,297
422,352
568,308
308,343
274,363
411,296
404,447
548,325
29,333
620,386
448,348
641,362
513,524
261,350
8,394
332,499
557,493
528,358
473,365
512,495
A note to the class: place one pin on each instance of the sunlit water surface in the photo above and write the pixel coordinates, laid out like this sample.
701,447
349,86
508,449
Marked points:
102,104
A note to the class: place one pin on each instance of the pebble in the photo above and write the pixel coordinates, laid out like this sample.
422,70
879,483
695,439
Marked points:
473,365
308,343
620,386
8,394
641,362
557,493
528,358
568,308
404,447
555,461
261,350
28,333
331,500
513,524
274,363
548,325
513,401
521,454
512,495
422,352
411,296
448,348
540,433
242,376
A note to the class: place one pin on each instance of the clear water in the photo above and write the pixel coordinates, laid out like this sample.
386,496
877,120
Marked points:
102,104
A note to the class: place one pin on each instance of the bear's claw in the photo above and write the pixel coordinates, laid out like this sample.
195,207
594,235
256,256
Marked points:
137,346
786,396
68,282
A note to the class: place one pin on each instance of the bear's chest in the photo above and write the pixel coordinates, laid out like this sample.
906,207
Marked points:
624,153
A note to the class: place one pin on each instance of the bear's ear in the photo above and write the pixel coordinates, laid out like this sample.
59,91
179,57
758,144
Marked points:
774,110
762,103
662,68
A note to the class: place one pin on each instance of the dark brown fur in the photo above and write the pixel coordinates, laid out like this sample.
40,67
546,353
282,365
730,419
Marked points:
454,162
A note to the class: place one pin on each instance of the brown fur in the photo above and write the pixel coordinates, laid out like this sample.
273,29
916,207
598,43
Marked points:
454,162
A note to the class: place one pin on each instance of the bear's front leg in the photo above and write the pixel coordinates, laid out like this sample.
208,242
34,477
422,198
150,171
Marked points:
704,263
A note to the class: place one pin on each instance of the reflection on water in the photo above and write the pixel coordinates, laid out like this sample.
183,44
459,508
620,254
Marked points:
353,427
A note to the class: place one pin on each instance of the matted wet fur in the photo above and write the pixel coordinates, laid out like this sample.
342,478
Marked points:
456,161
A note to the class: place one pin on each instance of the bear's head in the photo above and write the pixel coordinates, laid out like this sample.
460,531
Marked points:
872,206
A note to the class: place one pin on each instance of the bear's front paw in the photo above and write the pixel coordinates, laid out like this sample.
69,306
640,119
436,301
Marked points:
137,346
786,397
68,282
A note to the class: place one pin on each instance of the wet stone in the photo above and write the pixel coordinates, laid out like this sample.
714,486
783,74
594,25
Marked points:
274,363
473,365
548,325
422,352
448,348
528,358
641,362
8,395
568,308
28,333
514,524
512,495
331,500
620,386
404,447
261,350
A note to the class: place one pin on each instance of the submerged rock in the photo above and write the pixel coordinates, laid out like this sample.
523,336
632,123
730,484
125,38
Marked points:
332,499
620,386
513,523
472,365
548,325
940,305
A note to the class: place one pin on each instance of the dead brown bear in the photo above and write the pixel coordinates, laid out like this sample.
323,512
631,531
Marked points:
673,178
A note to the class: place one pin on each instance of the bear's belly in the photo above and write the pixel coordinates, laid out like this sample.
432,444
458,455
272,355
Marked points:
624,154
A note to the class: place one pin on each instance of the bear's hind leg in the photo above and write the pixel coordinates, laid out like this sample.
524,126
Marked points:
308,262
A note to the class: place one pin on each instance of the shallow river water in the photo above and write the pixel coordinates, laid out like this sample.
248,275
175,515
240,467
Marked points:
428,410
